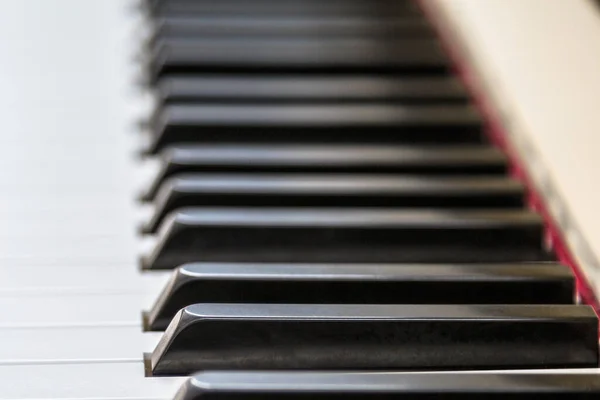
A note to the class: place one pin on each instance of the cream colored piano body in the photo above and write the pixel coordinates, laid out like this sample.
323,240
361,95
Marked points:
70,291
538,65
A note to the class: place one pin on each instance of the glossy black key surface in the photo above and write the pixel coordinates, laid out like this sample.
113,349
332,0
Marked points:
348,123
345,235
430,160
283,190
529,283
412,56
289,27
282,8
390,385
309,89
377,337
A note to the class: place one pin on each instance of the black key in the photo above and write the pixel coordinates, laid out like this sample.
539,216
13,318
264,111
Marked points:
377,337
535,283
281,8
346,235
173,27
340,191
349,123
309,89
410,56
431,160
297,385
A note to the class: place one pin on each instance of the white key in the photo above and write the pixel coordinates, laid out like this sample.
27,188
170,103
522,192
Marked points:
107,381
73,309
76,344
27,279
80,302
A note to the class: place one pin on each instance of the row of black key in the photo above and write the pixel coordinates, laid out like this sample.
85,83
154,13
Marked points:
323,123
181,27
547,283
327,200
283,8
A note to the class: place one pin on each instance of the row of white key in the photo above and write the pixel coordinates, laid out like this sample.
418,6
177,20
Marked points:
71,295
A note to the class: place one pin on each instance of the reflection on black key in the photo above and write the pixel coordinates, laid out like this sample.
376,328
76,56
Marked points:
314,89
346,235
283,190
282,8
534,283
350,123
294,26
376,337
415,56
297,385
430,160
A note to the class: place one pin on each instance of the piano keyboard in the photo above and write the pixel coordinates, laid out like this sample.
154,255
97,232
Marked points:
322,214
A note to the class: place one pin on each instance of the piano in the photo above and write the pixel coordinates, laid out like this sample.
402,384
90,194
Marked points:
244,199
